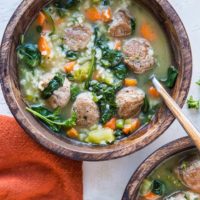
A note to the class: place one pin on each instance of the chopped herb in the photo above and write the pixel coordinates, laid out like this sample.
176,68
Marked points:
29,54
53,85
192,103
52,119
67,4
146,105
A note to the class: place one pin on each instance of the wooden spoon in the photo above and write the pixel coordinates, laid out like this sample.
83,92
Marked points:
177,112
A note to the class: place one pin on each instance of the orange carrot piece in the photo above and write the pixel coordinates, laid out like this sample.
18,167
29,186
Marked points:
43,46
153,92
131,127
93,14
135,125
41,19
118,45
151,196
72,133
106,15
69,66
130,82
111,124
147,32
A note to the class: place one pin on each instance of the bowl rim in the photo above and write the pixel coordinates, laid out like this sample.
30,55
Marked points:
78,152
152,161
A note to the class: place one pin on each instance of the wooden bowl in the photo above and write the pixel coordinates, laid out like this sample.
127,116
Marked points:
180,45
153,161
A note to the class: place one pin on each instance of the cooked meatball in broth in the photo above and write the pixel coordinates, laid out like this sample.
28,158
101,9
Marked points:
83,68
129,101
86,109
138,55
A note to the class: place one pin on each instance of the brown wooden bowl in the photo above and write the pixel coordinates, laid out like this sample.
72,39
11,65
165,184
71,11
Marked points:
180,45
153,161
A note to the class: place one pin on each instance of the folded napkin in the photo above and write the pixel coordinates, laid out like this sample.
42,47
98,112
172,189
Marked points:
30,172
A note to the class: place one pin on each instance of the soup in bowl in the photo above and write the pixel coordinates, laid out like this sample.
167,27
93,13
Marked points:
82,70
171,173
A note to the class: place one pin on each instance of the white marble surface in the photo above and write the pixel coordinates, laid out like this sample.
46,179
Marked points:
107,180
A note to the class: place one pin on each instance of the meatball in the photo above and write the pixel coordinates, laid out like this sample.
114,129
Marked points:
129,101
121,25
61,96
138,55
78,37
86,109
188,172
183,196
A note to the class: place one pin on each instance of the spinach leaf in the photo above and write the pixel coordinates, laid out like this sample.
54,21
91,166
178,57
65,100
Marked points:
110,57
52,119
171,77
120,71
193,104
133,25
148,111
53,85
158,188
106,99
146,106
72,55
29,54
75,91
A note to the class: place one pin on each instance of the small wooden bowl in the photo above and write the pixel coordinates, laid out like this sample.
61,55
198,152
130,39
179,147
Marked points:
180,45
153,161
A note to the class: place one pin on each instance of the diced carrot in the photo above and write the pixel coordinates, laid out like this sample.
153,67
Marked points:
41,19
131,127
130,82
72,133
43,46
127,130
93,14
135,125
151,196
106,15
69,66
111,124
118,45
153,92
147,32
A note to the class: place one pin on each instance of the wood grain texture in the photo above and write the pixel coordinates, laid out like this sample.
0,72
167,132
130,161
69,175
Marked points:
165,152
73,149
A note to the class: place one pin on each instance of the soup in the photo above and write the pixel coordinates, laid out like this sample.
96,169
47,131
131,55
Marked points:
175,179
85,68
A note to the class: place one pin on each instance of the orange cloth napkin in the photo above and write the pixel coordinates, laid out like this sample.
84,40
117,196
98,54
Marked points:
30,172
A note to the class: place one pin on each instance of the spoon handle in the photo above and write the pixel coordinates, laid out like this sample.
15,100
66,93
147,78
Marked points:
175,109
